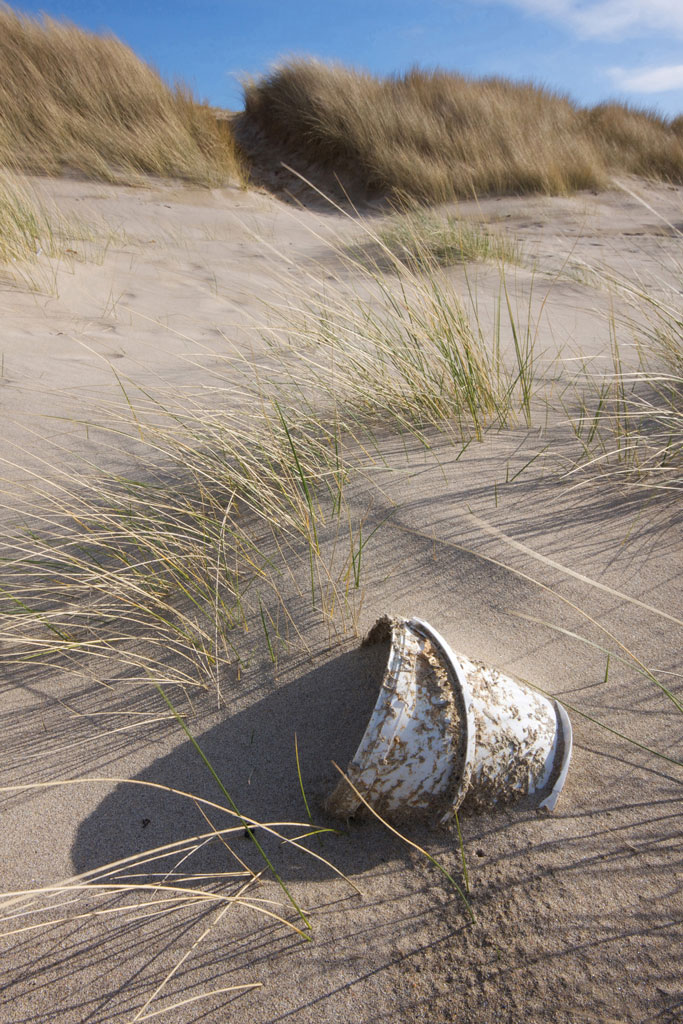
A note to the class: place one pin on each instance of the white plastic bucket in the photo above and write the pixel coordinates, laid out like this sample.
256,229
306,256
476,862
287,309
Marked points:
446,730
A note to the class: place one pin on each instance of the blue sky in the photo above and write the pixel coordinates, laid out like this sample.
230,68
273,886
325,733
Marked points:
592,49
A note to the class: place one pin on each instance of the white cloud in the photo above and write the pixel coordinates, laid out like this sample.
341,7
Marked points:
609,19
660,79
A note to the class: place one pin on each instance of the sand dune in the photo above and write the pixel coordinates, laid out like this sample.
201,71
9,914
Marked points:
578,914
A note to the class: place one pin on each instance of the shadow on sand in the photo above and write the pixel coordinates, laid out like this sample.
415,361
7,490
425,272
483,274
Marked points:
253,752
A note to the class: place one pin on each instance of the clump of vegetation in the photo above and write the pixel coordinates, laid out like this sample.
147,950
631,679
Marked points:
630,423
403,349
72,100
26,225
419,238
256,520
35,235
435,136
633,141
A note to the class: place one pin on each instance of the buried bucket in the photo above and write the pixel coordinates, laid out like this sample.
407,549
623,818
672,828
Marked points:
447,731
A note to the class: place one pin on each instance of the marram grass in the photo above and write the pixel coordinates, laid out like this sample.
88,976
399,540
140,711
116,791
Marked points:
74,101
434,136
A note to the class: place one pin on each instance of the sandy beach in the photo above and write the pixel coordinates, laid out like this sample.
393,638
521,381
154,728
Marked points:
156,316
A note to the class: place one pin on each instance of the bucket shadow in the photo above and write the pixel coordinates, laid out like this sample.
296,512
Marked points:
253,753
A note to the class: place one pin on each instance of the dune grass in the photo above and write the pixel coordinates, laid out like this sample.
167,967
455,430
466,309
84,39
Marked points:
27,225
37,238
422,238
634,141
630,421
234,518
405,348
74,101
191,563
234,526
436,136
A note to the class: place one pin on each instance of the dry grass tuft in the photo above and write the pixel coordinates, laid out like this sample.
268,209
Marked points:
636,141
27,226
71,100
435,136
421,238
630,422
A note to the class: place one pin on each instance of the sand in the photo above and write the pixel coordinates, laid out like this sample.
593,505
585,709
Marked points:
579,914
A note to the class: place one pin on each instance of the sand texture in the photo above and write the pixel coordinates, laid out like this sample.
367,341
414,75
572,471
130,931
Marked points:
578,914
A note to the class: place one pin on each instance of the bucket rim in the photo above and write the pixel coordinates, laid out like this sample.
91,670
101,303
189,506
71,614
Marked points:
469,725
566,738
